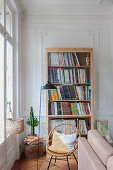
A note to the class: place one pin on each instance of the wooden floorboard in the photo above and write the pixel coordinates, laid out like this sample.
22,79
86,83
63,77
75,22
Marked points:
25,164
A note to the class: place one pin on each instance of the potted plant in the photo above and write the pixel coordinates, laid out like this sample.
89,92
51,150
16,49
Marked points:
33,122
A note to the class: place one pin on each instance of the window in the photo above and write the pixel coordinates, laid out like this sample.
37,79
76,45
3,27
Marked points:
8,21
9,79
1,88
2,12
6,64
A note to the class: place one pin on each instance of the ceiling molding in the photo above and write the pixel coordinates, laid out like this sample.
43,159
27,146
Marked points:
70,2
66,7
99,2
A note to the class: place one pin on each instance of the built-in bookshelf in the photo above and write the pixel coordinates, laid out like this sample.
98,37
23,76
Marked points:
71,70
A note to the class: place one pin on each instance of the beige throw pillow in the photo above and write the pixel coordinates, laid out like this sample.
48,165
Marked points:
57,145
62,143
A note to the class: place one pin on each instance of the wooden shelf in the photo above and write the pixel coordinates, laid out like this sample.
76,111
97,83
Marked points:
69,66
72,83
68,116
77,50
69,101
82,53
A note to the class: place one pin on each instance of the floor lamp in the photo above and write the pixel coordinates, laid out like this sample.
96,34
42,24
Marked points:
47,86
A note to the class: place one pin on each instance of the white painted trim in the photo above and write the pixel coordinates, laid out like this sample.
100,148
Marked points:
70,2
99,2
30,21
18,7
13,152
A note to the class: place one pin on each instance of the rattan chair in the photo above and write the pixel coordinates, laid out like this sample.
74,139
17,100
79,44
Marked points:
64,128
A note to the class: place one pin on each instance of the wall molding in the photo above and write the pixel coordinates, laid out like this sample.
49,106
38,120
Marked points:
31,20
51,31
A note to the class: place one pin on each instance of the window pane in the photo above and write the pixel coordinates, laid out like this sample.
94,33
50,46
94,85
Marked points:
2,12
1,88
8,21
9,79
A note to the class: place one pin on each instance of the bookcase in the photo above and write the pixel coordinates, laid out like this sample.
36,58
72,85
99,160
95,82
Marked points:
71,70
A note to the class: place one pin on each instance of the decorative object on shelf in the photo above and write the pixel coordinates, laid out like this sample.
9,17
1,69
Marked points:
33,122
103,129
14,125
87,61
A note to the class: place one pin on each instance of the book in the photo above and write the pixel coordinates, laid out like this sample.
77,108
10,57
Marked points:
65,108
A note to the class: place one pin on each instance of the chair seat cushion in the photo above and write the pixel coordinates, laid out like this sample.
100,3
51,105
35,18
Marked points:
62,143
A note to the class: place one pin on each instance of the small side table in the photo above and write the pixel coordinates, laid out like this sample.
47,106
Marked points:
30,151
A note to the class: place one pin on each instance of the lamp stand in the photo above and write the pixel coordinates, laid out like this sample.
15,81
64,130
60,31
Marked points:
39,126
47,86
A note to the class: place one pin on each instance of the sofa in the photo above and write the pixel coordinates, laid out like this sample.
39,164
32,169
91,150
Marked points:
94,153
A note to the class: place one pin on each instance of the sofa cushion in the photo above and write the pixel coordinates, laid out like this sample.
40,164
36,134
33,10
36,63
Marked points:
87,158
110,163
100,146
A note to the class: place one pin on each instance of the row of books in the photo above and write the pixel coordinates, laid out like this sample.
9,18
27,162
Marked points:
80,108
70,92
63,59
82,125
70,75
67,108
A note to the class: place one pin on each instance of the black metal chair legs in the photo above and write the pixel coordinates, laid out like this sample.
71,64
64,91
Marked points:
75,158
55,159
49,162
68,163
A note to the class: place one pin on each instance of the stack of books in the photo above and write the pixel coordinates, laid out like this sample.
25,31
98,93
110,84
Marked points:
80,108
67,75
63,59
67,108
69,92
60,108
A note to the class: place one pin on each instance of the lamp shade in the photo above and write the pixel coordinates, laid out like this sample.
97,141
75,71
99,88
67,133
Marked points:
48,86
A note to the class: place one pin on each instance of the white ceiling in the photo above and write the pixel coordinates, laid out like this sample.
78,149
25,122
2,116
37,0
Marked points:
67,7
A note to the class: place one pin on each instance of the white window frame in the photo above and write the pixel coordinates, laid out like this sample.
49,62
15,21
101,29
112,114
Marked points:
14,41
11,40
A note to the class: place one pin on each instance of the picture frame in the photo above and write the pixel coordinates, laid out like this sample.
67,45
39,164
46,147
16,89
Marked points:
103,127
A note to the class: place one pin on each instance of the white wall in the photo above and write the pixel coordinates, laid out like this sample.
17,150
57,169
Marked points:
40,32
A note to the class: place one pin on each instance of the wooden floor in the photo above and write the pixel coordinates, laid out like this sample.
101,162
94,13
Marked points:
25,164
